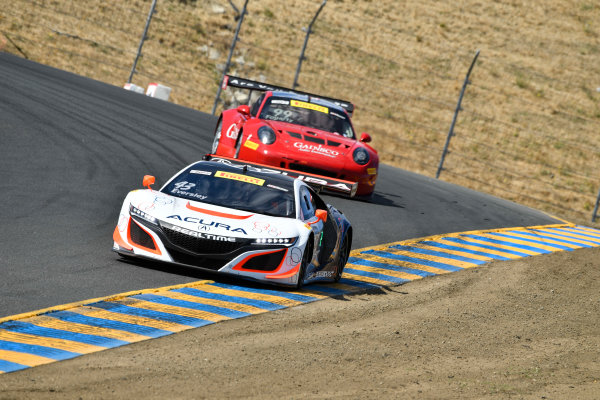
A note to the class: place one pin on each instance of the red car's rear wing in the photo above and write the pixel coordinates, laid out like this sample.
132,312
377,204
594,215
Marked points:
319,182
238,82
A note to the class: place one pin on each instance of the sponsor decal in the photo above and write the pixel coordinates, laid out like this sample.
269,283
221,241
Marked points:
295,255
232,132
308,179
239,177
123,220
310,106
145,206
277,101
260,227
205,224
189,194
251,145
200,172
163,201
371,171
316,149
200,235
320,274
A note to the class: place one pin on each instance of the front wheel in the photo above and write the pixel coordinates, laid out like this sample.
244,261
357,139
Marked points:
306,258
343,258
217,138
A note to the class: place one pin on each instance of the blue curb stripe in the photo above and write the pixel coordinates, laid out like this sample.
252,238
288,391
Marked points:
160,316
571,241
107,323
172,317
563,233
556,246
440,254
412,260
392,267
282,294
37,350
484,246
376,264
31,329
227,312
265,305
457,248
381,277
579,230
579,233
507,243
7,366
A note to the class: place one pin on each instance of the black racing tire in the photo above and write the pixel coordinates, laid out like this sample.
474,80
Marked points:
343,258
306,257
218,132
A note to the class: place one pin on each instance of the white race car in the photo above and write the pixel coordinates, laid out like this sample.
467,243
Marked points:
240,220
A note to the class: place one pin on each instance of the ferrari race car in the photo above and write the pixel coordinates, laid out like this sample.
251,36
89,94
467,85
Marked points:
242,220
297,131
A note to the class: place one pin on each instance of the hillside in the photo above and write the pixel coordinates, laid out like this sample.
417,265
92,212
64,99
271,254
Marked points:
529,126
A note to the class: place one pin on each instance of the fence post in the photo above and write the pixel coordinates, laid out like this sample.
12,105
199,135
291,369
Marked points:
596,207
451,131
308,32
139,52
235,38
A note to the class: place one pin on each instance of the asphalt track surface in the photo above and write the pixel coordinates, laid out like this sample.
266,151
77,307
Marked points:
71,148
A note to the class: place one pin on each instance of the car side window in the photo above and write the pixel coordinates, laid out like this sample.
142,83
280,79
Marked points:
308,207
256,106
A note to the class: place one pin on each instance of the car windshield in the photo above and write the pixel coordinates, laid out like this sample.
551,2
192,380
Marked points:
241,191
311,115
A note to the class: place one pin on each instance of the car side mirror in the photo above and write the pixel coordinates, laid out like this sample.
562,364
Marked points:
244,109
321,214
365,137
148,181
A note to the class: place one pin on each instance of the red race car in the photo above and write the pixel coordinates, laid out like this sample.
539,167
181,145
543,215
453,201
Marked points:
308,136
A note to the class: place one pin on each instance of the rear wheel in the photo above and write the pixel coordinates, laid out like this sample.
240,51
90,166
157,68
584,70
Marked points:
343,259
306,258
217,138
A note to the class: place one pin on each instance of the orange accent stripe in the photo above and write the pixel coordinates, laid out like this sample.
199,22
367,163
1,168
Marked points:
156,250
289,274
216,213
239,266
118,240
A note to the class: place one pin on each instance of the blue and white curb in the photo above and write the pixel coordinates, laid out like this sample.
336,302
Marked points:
71,330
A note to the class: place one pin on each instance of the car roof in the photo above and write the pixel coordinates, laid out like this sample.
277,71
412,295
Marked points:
273,178
307,98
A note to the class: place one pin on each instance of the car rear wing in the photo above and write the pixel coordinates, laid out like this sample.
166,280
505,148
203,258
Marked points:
318,182
243,83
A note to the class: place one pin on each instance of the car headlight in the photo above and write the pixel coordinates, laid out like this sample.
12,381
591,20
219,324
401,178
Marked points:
276,241
360,156
266,135
143,215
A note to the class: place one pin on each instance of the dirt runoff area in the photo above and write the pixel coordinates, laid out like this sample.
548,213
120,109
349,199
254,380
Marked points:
526,329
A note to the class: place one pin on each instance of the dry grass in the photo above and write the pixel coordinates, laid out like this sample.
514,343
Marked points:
529,127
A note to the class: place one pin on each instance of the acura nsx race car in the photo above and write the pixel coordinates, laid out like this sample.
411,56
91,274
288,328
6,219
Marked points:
242,220
297,131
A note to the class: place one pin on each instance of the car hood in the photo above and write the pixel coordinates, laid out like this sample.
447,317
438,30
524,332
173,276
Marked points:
304,140
210,219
